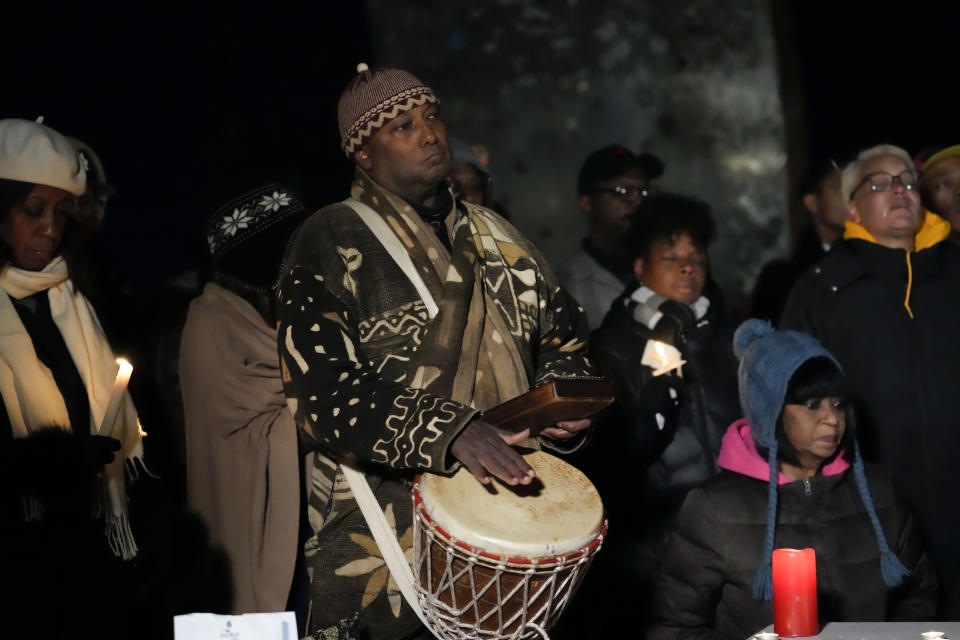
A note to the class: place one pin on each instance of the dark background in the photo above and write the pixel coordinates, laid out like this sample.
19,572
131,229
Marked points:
872,72
187,105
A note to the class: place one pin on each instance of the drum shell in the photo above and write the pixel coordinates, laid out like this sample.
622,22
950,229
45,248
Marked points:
489,593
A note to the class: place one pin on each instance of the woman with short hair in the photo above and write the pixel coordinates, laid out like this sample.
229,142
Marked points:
662,436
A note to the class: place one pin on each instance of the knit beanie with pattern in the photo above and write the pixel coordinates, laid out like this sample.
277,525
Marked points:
250,235
768,360
375,97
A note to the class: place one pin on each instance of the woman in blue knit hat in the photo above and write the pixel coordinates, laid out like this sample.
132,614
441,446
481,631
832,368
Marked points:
791,476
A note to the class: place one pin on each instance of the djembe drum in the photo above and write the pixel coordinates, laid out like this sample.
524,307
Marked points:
503,563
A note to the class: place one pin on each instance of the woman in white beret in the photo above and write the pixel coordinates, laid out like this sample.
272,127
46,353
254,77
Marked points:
69,563
57,370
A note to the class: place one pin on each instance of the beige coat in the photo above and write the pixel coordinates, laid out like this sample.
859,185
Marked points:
241,445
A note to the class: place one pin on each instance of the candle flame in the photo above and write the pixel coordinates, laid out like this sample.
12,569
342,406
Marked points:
661,352
124,370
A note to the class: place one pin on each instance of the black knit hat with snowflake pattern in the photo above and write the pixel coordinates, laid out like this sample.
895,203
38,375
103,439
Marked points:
248,237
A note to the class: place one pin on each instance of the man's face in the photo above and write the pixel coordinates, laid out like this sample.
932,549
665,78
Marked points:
611,203
828,205
889,215
941,186
409,155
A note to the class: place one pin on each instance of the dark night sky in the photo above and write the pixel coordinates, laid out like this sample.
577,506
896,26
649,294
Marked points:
187,104
877,71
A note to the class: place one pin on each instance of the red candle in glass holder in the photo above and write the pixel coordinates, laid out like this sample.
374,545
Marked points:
795,593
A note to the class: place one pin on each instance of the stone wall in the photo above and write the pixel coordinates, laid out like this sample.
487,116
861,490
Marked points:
545,83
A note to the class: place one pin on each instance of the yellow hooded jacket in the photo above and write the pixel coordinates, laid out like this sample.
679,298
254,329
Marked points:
933,230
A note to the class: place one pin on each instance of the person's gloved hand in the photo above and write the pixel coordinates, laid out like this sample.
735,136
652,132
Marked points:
96,452
658,410
677,321
59,468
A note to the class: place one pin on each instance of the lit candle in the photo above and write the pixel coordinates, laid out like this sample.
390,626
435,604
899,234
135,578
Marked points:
795,593
116,397
665,362
659,353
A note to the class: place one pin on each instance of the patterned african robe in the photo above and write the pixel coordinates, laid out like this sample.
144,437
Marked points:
366,370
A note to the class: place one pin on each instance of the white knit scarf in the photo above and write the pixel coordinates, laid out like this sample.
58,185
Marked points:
33,399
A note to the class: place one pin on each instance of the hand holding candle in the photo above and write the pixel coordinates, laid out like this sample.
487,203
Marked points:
795,593
116,397
661,357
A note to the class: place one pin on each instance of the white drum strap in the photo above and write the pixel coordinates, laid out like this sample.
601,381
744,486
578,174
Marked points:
384,535
382,532
393,246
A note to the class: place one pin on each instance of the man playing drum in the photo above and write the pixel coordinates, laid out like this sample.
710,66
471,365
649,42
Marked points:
403,314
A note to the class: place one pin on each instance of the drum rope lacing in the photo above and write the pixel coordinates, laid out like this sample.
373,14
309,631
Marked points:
560,577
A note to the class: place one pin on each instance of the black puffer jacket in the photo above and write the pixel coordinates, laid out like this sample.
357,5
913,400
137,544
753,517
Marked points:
682,452
903,370
641,470
706,583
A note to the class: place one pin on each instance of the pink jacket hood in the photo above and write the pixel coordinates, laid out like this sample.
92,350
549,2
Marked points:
738,453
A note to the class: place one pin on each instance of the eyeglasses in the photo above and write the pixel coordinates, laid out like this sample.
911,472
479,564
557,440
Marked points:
880,181
627,193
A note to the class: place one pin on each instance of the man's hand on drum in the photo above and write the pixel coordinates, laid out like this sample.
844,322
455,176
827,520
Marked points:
486,450
567,429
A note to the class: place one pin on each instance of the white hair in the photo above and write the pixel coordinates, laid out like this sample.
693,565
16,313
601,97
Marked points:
850,176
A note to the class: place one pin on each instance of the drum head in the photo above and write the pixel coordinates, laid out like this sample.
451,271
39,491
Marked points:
559,512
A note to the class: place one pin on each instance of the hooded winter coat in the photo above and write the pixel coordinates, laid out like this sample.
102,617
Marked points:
890,317
705,589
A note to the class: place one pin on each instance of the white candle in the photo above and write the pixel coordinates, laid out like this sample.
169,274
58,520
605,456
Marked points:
116,397
667,362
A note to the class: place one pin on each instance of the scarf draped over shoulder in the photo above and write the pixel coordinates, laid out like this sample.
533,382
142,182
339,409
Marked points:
34,401
468,330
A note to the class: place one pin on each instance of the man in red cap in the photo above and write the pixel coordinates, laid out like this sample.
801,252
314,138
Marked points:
404,313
